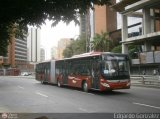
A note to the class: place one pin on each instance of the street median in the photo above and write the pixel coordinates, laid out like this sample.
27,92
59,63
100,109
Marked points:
146,80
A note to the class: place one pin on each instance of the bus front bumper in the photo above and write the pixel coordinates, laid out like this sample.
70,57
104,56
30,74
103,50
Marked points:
115,85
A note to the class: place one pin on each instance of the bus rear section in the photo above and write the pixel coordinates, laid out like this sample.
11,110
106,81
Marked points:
45,72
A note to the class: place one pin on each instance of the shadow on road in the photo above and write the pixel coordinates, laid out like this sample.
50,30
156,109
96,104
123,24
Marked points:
107,93
42,117
110,93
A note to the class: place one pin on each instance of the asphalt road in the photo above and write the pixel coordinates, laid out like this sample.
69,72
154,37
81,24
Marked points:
26,95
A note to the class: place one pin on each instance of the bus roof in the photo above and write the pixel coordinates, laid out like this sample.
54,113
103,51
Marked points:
45,61
87,54
90,54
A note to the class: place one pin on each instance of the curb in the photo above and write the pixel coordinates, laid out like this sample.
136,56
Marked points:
28,77
146,86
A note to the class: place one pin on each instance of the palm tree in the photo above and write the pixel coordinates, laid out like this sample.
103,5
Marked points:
101,42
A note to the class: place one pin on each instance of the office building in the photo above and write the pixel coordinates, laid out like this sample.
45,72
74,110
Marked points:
101,19
104,19
62,44
33,45
54,53
148,56
17,54
42,54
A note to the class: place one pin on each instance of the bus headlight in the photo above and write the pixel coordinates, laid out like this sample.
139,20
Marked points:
105,85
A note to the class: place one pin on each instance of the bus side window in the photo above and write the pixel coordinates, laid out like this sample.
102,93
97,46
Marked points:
72,70
78,70
86,70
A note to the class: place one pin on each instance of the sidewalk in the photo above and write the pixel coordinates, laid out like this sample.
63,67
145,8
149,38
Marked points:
149,81
28,77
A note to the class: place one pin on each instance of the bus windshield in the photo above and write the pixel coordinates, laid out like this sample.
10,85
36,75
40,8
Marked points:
115,69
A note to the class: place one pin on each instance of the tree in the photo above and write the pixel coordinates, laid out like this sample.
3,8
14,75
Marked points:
117,49
80,45
133,50
35,12
8,32
101,42
77,46
69,51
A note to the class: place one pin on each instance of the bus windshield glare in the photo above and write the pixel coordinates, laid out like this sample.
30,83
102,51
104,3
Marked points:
115,68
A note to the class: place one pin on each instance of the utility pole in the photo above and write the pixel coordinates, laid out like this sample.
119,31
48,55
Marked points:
88,30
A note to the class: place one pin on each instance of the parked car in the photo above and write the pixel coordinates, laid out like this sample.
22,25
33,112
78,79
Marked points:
24,74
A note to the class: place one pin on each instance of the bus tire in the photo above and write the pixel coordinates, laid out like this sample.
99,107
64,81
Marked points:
59,83
85,86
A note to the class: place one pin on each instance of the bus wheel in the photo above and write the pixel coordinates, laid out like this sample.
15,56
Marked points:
85,86
59,83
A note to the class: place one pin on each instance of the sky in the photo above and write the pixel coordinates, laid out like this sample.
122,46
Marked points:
51,35
131,21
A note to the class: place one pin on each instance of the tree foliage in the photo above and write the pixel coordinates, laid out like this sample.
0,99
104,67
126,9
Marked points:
35,12
77,46
102,43
133,50
117,49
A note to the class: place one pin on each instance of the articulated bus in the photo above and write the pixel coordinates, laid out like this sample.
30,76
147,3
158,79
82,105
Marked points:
96,70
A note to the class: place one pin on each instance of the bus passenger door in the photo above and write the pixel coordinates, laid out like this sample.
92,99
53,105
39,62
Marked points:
64,70
63,73
48,75
45,74
95,75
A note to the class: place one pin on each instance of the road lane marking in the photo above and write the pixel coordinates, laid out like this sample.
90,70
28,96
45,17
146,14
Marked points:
38,93
85,92
146,105
90,93
20,87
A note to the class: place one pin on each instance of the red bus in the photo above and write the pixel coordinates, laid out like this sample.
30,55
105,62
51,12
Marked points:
97,70
45,72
